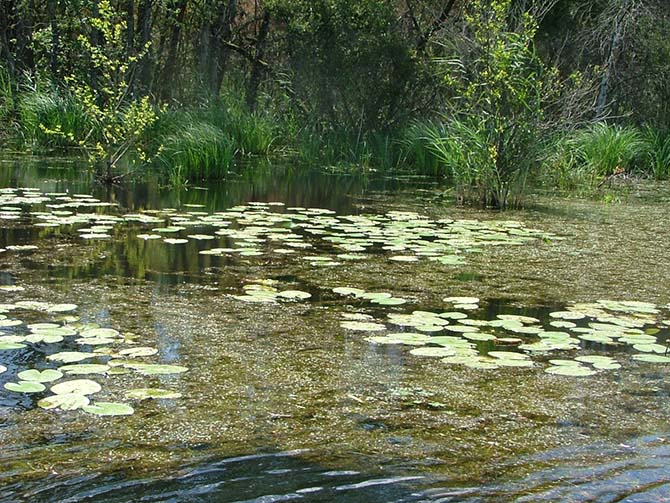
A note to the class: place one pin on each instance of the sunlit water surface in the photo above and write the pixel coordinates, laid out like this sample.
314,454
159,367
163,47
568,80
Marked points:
280,403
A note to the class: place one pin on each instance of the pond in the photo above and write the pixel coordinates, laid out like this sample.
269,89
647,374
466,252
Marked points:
307,335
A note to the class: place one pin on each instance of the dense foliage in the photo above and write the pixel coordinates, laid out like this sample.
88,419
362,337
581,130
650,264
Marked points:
494,94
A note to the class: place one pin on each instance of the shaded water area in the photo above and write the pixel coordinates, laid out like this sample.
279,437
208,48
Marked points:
283,399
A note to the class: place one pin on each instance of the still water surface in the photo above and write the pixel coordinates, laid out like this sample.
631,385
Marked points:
280,403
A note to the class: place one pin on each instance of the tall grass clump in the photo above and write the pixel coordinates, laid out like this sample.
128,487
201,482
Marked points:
658,152
486,168
198,151
607,149
418,150
50,119
563,167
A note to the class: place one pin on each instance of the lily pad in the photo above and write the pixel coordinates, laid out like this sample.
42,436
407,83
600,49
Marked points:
62,308
109,409
362,326
25,387
65,401
11,345
100,333
570,370
85,368
34,375
3,369
439,352
76,386
138,352
651,358
294,295
156,369
70,356
651,348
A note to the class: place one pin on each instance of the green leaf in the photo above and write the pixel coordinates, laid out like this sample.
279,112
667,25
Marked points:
34,375
109,409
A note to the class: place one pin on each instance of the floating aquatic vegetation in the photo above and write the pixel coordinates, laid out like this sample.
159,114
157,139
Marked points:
363,326
43,376
109,409
608,330
25,387
64,401
72,394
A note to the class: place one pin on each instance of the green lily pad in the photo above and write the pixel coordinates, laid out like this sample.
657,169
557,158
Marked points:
651,358
147,393
567,315
438,352
11,345
156,369
62,308
10,323
34,375
362,326
595,359
570,370
474,361
3,369
393,301
96,341
85,368
109,409
138,352
25,387
478,336
651,348
517,317
453,315
508,355
38,337
76,386
66,401
106,333
70,356
562,324
559,362
294,295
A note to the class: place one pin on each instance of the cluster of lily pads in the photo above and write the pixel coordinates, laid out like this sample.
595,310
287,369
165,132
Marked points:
265,291
512,340
380,298
259,229
103,352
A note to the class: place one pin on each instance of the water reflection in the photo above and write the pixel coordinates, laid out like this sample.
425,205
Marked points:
636,471
259,478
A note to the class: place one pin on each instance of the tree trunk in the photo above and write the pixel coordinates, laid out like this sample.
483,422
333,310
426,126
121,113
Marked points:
620,21
170,68
145,65
258,66
52,8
